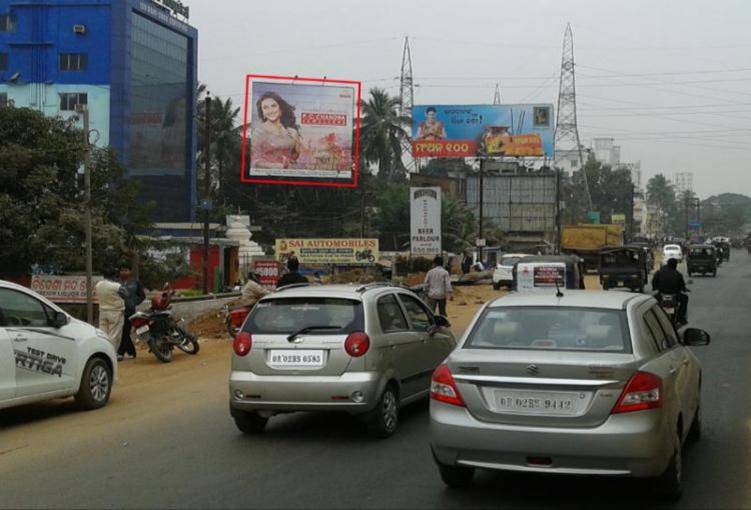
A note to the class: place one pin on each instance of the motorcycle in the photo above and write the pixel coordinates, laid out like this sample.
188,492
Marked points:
670,304
234,318
157,328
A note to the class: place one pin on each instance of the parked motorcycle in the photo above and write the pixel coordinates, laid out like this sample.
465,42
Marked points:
234,318
158,329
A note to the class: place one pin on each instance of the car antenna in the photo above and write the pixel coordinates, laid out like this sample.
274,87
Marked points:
558,292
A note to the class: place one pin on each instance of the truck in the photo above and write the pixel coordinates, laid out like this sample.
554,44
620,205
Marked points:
586,241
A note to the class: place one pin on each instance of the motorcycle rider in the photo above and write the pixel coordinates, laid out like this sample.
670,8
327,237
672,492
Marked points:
293,276
668,280
252,291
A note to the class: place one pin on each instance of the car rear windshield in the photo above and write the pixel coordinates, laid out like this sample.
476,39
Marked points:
621,258
551,329
701,252
288,315
510,261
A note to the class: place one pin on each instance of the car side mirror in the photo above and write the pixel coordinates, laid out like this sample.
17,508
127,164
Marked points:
60,320
694,336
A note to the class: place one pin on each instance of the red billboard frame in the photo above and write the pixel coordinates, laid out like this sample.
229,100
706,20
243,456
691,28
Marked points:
322,81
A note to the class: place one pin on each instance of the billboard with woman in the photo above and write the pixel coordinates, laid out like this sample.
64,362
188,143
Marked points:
301,131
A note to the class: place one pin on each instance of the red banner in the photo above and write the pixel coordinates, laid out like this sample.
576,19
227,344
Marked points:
268,272
444,148
323,119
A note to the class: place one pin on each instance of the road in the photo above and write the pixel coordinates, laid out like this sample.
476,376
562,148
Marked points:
167,441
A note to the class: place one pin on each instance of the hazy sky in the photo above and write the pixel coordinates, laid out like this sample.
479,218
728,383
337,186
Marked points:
668,79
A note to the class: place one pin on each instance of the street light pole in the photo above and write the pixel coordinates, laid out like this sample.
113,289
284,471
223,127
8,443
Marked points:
206,192
83,110
480,230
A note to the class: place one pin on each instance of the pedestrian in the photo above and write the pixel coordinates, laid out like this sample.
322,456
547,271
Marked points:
466,263
438,286
111,296
293,276
253,290
135,297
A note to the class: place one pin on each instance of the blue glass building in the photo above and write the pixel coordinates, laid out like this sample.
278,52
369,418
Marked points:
132,63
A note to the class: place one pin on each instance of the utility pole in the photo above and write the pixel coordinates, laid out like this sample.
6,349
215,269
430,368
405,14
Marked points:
685,205
557,211
206,191
84,111
480,232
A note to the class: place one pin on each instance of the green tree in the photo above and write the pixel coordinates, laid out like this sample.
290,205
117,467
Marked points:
382,133
661,193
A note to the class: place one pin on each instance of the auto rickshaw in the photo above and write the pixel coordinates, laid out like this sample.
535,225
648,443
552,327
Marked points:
724,250
548,271
701,258
647,251
624,266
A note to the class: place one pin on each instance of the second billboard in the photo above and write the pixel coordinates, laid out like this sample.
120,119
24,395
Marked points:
460,131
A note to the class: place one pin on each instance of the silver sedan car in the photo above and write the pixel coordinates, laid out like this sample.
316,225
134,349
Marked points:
363,350
587,383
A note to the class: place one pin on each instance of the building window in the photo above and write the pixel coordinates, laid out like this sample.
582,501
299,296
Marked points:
3,61
69,101
7,23
73,61
3,99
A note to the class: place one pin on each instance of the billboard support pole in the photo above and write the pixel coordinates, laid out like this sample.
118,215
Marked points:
480,230
206,191
557,211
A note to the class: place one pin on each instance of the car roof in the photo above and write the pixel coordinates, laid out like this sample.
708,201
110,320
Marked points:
671,247
569,259
571,298
354,291
10,285
520,255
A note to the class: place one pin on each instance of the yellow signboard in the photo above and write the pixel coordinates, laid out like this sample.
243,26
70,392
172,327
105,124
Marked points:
618,219
328,251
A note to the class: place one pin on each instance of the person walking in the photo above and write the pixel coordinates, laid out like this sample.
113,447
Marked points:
293,276
438,286
466,262
135,296
111,296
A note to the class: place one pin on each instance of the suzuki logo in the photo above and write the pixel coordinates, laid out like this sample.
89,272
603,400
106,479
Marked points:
532,369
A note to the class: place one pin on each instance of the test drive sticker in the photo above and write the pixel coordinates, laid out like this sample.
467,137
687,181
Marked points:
35,360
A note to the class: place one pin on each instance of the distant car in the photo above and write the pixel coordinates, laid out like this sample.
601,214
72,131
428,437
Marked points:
503,275
45,353
591,383
364,350
671,251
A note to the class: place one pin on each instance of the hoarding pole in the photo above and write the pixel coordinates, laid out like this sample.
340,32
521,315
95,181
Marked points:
558,211
480,233
87,215
206,192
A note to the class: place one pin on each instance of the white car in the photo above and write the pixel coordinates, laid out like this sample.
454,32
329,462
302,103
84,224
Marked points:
671,251
503,273
45,353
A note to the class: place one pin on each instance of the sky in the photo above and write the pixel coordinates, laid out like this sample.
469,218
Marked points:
668,79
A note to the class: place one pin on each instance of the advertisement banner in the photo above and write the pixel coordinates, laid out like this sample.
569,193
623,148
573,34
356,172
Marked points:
268,272
460,131
425,221
618,219
540,274
328,251
63,289
300,132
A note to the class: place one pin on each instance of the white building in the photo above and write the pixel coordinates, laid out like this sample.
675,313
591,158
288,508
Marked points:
683,181
606,152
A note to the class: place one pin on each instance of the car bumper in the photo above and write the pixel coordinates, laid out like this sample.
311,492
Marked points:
352,392
631,444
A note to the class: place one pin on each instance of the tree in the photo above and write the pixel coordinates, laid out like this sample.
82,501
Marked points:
382,133
661,194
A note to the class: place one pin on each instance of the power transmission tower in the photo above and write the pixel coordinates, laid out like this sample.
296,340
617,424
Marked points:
407,101
567,144
497,95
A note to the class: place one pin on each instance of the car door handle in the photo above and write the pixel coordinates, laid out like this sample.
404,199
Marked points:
673,370
685,362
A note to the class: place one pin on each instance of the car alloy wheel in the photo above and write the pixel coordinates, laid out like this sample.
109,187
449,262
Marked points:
99,382
389,410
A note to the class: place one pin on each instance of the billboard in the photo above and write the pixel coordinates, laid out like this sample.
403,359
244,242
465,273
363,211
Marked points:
63,289
328,251
268,272
425,221
460,131
301,133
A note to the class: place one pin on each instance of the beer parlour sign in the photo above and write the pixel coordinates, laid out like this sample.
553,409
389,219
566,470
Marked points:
425,221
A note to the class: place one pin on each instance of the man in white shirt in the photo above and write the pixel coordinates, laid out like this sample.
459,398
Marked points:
253,290
438,286
111,296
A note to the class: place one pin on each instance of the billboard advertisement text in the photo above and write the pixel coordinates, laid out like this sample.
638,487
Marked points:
328,251
301,133
460,131
425,221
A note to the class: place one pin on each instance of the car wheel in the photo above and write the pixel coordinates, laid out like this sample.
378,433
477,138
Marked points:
497,285
669,485
456,477
96,385
384,419
251,423
694,433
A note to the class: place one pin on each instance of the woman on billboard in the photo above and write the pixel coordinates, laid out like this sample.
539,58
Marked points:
431,128
276,141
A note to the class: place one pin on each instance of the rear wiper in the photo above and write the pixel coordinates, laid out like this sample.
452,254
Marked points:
306,329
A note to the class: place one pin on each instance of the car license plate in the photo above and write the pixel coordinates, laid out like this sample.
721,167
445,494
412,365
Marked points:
538,402
142,330
295,358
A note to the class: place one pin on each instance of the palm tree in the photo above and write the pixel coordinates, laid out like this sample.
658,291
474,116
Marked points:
382,133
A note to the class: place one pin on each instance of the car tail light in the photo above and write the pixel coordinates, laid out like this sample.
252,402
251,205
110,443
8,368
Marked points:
643,391
357,344
243,343
443,388
139,321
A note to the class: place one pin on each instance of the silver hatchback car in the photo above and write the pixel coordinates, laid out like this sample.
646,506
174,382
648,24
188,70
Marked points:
588,383
364,350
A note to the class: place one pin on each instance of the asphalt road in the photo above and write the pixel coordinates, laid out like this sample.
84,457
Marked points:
179,448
